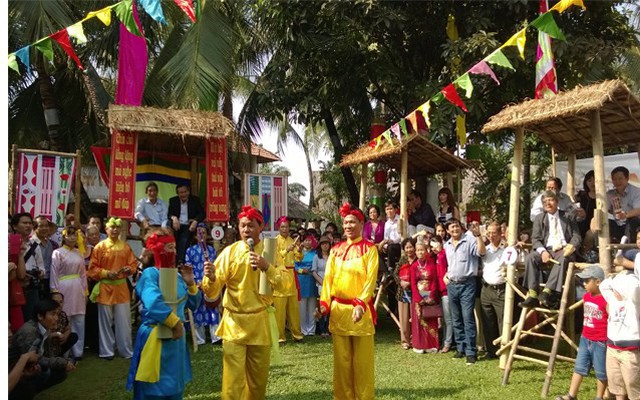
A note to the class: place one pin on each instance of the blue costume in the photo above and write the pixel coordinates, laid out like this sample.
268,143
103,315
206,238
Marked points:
160,368
307,282
203,316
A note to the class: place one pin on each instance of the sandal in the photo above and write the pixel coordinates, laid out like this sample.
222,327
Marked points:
406,346
566,397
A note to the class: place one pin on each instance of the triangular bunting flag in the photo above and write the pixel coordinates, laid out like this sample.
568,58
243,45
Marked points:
403,126
416,121
62,37
395,129
498,58
45,47
23,56
76,31
103,15
464,83
13,63
519,40
372,144
461,128
378,141
124,13
562,5
482,68
187,7
154,9
450,94
387,135
425,108
437,98
545,23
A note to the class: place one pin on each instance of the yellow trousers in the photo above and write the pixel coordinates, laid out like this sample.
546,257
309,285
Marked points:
287,309
245,371
353,367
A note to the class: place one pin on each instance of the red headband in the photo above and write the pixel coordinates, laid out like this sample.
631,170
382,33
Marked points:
251,213
156,243
314,242
281,220
346,210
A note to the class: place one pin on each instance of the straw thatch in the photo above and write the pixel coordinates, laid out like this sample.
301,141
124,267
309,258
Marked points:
425,157
169,130
563,121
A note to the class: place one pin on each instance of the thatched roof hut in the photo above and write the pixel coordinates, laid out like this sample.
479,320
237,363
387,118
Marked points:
563,121
169,130
425,157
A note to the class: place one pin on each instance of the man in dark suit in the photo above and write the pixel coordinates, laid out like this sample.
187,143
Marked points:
555,238
185,211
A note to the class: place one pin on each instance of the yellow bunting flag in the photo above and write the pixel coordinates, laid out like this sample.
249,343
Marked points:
13,63
464,83
461,128
378,140
425,108
103,15
519,40
76,31
562,5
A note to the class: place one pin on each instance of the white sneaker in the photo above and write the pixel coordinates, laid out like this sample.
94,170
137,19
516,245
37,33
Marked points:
418,351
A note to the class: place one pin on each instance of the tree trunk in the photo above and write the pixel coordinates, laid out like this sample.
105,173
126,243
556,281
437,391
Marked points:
311,190
338,151
50,106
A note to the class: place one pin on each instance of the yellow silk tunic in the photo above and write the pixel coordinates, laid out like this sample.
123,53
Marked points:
351,272
244,320
286,258
110,256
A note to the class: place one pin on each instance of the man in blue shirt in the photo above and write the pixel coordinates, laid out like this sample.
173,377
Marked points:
463,255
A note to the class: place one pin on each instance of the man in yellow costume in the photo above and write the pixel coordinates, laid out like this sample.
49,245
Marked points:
347,293
286,301
248,319
112,261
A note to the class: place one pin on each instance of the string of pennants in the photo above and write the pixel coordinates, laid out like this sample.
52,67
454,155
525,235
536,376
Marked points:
419,118
123,11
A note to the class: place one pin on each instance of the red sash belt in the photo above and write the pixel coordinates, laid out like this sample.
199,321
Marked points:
295,275
358,302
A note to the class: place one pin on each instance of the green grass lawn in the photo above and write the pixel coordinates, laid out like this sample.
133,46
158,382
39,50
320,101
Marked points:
306,374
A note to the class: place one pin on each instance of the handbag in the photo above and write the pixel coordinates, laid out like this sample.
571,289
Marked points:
431,311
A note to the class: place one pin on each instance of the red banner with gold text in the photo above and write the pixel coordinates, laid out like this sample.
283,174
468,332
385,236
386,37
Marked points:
122,174
217,202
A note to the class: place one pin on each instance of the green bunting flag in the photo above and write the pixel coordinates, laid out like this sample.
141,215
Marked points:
437,99
125,15
545,23
387,135
45,47
403,126
13,63
464,83
498,58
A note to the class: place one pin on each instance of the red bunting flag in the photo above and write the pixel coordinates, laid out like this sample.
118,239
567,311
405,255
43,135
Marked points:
372,144
450,94
62,37
187,7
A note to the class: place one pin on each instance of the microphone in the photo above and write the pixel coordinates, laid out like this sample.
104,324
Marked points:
250,243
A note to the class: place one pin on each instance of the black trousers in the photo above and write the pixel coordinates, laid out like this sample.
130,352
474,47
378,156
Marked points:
533,273
492,311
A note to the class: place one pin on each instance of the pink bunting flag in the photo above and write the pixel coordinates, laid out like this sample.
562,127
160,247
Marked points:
482,68
132,65
62,37
187,7
450,94
395,129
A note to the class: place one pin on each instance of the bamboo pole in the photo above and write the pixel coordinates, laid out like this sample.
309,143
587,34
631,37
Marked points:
600,213
363,187
511,354
404,185
78,186
192,328
571,176
554,165
514,206
13,175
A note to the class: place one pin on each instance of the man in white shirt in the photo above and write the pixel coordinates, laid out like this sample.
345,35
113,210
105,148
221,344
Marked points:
151,211
391,246
624,205
564,201
493,288
554,239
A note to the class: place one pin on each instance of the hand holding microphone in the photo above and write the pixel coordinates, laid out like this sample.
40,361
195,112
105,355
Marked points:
256,260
